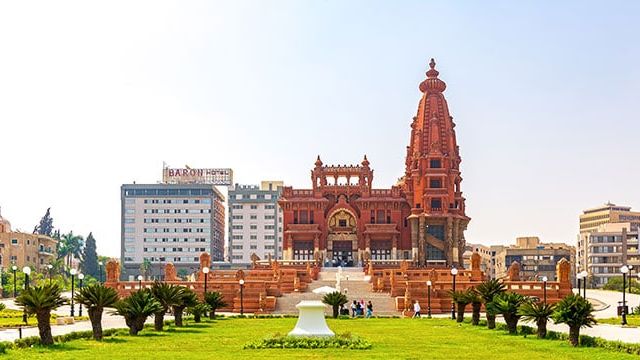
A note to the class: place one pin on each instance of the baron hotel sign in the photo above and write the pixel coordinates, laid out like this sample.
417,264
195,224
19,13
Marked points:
189,175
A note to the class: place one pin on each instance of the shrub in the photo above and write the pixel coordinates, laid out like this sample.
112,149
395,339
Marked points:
136,308
167,295
335,299
540,313
344,341
187,298
198,311
487,291
508,304
41,300
576,312
96,297
215,301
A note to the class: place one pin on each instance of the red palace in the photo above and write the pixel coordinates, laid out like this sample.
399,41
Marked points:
344,220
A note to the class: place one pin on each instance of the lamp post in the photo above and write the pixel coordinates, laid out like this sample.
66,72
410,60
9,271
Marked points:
544,289
205,271
100,263
140,282
241,282
624,270
80,277
14,269
584,274
429,299
73,273
27,271
579,277
49,269
454,272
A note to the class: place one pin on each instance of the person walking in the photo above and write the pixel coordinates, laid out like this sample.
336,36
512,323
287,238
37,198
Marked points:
353,308
359,309
369,309
416,309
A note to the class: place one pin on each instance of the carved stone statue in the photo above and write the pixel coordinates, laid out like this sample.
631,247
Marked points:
407,298
296,283
262,302
563,270
380,284
239,274
254,260
404,266
205,260
514,271
170,272
113,271
475,261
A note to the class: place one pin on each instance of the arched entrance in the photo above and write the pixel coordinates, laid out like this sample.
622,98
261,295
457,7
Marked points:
342,238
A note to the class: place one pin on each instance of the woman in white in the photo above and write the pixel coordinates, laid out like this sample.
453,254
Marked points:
416,309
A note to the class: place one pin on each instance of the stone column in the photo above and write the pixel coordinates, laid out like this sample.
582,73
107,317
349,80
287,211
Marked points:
421,240
449,245
394,247
367,243
316,243
414,238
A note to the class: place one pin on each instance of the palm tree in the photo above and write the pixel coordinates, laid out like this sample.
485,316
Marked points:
41,300
335,299
461,299
476,305
576,312
538,312
508,304
198,310
168,295
187,299
136,308
70,246
487,291
215,301
95,298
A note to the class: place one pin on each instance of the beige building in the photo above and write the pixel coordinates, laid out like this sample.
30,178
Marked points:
23,249
536,259
592,220
608,248
485,257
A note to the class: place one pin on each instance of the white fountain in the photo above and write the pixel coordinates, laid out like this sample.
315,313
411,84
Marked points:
311,321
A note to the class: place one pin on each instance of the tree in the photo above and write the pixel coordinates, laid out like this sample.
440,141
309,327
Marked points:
487,291
476,305
136,308
89,264
198,311
461,299
335,299
46,225
508,304
69,247
538,312
187,299
95,298
144,267
576,312
215,301
168,295
41,300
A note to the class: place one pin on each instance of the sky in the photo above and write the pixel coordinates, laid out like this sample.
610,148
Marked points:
96,94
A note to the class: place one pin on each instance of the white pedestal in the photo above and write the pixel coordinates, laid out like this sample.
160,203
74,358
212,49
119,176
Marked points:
311,321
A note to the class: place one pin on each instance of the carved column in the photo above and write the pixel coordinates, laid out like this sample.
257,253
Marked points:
449,241
414,238
394,247
421,240
367,244
316,243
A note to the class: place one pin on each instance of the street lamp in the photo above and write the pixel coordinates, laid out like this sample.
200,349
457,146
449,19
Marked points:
140,282
585,275
205,271
624,270
80,277
27,271
454,272
544,290
429,299
100,263
579,277
73,273
49,269
241,282
14,269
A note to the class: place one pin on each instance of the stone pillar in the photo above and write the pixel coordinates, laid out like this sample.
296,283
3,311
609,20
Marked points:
394,247
316,243
414,238
367,243
421,240
448,240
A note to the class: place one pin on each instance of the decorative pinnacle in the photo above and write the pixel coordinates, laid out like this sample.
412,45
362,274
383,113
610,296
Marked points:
432,63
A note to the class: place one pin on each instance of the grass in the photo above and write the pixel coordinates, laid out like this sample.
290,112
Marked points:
391,339
10,318
632,320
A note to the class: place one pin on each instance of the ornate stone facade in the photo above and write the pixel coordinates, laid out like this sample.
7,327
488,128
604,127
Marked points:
343,219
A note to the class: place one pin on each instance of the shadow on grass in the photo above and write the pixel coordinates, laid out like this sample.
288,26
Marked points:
184,330
56,347
113,340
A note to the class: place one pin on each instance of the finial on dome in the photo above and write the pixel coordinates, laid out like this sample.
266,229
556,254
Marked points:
365,162
432,63
432,84
318,161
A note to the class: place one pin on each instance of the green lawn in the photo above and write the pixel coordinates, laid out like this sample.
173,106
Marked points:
13,318
632,320
391,338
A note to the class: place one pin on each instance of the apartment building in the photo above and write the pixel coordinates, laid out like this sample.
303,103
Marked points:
24,249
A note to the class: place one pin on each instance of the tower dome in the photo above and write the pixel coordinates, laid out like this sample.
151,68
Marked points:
432,84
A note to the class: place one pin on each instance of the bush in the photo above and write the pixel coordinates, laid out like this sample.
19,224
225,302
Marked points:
343,341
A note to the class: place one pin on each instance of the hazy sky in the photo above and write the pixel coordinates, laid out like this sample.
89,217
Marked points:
545,96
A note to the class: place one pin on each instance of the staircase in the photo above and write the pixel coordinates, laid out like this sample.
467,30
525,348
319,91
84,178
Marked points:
353,284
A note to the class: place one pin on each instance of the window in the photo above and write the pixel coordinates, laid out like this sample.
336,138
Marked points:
435,164
253,246
254,207
253,237
236,206
253,227
269,227
435,183
436,203
14,241
269,207
130,230
253,217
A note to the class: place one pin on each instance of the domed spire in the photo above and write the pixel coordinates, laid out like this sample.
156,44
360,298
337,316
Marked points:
365,162
318,162
432,84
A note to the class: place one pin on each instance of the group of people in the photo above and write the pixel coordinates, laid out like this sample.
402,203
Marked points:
358,308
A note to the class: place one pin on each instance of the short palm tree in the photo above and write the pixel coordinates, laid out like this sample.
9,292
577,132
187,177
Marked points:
576,312
539,312
168,295
508,304
136,308
41,300
198,311
215,301
461,299
487,291
187,298
476,305
95,298
335,299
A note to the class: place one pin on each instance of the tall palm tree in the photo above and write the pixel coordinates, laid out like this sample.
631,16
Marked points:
70,247
168,295
508,304
487,291
335,299
576,312
187,299
539,312
215,301
95,298
136,308
41,300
